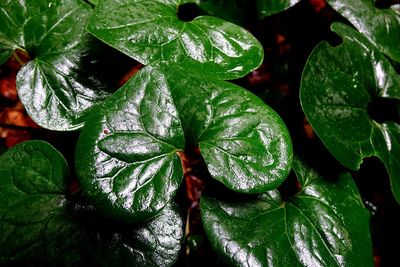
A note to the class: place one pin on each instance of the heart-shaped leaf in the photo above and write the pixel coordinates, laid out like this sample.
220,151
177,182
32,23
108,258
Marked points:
58,86
325,224
245,144
150,31
270,7
336,95
380,26
127,154
126,157
39,227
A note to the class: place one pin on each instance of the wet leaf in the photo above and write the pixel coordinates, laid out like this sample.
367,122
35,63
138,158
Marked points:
58,86
270,7
380,26
126,157
336,95
325,224
40,227
244,143
150,31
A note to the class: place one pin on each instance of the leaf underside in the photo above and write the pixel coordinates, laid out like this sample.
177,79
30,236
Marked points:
336,94
325,224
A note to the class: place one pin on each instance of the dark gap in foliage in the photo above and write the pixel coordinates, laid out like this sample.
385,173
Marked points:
196,178
189,11
106,63
290,187
384,110
373,183
386,3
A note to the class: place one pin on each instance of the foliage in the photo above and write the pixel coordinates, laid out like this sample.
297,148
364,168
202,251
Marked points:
135,142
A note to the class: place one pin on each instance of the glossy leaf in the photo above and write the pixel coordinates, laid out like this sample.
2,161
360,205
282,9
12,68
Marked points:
58,86
325,224
336,94
40,227
380,26
150,31
244,143
33,181
126,157
267,8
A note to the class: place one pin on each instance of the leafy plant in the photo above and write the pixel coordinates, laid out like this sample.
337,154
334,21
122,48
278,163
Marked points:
136,145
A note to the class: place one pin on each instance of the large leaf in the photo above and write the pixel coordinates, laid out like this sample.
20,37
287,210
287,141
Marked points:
59,86
33,181
126,157
380,26
150,31
39,227
270,7
244,142
336,95
325,224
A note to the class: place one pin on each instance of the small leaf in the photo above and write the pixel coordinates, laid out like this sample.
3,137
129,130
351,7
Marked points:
336,95
245,144
126,157
33,181
380,26
150,31
267,8
58,87
325,224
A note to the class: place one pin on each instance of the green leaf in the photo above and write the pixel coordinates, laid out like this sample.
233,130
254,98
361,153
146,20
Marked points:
5,53
325,224
270,7
39,227
33,181
126,157
245,144
150,31
336,95
157,242
59,86
380,26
